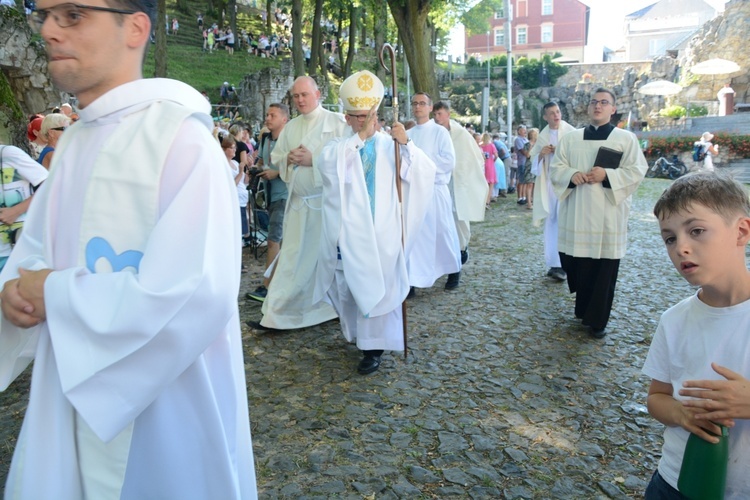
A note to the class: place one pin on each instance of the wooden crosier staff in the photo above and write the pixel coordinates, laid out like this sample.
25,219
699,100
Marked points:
397,148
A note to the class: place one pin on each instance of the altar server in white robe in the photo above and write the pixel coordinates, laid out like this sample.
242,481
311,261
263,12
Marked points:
436,250
362,264
289,302
468,184
594,208
545,200
123,286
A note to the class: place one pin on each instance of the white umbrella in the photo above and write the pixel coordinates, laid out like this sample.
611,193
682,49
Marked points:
660,87
715,67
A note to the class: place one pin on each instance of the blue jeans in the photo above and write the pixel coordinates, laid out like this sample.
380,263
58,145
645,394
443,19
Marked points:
659,489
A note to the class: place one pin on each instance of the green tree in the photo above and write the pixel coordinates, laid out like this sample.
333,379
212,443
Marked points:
298,57
415,30
160,49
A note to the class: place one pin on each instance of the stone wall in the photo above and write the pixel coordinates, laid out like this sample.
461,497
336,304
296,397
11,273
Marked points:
604,74
724,37
23,62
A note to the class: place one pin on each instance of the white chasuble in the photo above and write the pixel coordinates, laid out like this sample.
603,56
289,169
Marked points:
289,303
372,260
138,388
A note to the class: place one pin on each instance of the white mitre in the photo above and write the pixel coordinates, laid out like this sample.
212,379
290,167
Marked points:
361,91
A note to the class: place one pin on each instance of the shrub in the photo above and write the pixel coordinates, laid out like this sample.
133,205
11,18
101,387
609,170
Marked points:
673,112
737,145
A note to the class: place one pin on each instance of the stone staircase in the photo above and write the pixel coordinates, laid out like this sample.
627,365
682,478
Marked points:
738,123
740,170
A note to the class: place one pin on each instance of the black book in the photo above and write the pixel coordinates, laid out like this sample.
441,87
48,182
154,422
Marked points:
608,158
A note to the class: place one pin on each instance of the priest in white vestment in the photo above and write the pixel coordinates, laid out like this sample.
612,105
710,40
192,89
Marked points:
594,207
123,286
468,184
289,302
362,263
437,251
545,200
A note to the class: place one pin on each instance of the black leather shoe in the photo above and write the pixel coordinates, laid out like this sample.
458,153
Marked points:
369,364
255,325
453,280
557,273
464,256
598,333
412,293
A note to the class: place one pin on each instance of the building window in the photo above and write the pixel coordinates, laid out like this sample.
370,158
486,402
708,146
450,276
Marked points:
499,37
521,35
546,33
546,8
499,14
522,9
657,47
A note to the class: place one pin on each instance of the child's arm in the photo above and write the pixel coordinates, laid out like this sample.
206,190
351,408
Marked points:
670,412
719,399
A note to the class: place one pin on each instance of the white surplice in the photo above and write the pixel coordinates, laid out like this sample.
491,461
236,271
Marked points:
436,249
468,181
593,220
289,303
138,386
369,282
546,204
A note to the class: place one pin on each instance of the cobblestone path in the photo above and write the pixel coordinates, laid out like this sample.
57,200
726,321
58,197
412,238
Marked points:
503,395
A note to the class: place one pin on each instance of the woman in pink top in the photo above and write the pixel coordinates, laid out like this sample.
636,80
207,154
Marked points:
490,155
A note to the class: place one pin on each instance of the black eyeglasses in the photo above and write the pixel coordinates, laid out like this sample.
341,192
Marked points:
360,118
603,102
68,14
420,103
61,129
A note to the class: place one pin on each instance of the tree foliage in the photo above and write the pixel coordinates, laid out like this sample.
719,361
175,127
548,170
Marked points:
476,19
528,73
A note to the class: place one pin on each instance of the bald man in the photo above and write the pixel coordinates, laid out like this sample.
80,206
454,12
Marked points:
289,301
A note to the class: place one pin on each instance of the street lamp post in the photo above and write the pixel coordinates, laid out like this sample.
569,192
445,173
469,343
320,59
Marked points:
509,74
486,93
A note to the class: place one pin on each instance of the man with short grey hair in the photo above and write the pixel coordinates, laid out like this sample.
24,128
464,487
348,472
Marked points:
289,302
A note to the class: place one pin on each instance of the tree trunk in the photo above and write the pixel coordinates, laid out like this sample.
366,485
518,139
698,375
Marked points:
316,38
298,56
232,8
269,5
379,31
415,31
353,17
160,49
339,33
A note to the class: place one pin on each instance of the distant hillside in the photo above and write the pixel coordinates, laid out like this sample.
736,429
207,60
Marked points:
186,60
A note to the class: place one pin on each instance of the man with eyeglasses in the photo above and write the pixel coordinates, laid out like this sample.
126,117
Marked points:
437,251
362,262
123,286
289,301
594,173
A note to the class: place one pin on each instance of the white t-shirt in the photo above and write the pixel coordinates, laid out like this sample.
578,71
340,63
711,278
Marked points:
242,195
690,336
20,172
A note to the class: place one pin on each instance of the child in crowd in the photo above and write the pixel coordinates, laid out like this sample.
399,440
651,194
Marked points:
699,359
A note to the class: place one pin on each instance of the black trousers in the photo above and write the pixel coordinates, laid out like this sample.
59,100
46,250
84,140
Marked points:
593,281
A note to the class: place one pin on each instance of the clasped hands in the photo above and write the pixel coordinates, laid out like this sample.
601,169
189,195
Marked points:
594,176
718,401
22,299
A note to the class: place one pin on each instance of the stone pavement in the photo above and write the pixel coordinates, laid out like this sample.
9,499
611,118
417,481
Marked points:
503,395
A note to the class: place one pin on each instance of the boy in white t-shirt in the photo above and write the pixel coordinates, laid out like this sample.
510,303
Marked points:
699,359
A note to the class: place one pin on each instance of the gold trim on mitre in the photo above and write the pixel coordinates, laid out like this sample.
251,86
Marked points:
363,102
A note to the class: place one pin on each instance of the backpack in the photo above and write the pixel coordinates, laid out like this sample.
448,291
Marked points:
699,151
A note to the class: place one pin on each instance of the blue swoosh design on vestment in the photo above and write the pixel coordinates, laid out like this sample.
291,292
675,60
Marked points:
99,248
